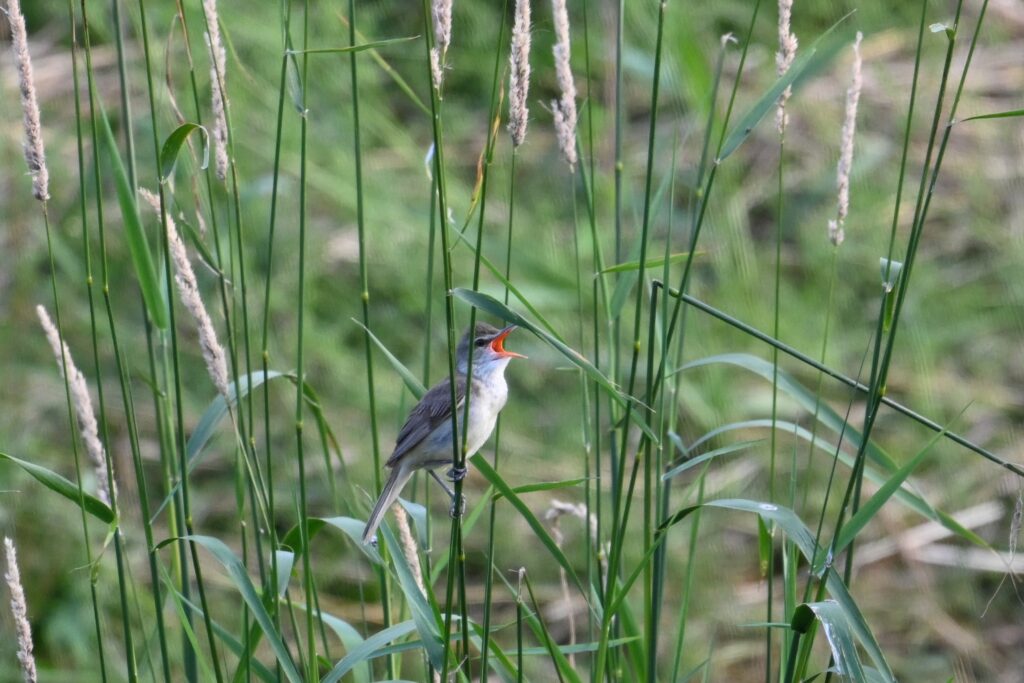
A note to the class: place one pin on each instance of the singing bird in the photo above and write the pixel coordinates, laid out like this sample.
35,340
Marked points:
425,440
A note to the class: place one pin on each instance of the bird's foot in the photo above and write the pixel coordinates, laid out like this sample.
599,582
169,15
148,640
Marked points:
453,512
456,473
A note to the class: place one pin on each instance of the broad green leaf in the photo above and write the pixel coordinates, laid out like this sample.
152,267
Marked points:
410,380
172,146
353,528
492,476
797,531
367,650
656,262
142,258
809,60
348,636
53,481
240,577
838,634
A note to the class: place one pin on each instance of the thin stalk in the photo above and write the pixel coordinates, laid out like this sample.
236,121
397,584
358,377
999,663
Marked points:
265,337
307,574
75,453
364,297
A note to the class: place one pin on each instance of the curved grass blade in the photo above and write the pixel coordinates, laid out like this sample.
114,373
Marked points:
832,420
998,115
656,262
802,537
368,650
724,450
226,637
811,59
349,637
492,476
53,481
870,508
138,246
414,385
240,577
838,634
172,145
375,45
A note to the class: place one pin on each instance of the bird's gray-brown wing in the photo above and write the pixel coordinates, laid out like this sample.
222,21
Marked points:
432,410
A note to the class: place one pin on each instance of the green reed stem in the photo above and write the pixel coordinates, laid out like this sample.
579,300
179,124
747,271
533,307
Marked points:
307,574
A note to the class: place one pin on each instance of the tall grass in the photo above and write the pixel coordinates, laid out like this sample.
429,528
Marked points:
235,523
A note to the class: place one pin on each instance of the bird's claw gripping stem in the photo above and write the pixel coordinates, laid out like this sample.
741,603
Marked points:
456,473
452,512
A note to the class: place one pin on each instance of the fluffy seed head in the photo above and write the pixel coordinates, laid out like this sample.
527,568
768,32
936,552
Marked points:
519,73
836,232
784,59
20,611
82,402
218,88
188,290
441,11
35,155
564,109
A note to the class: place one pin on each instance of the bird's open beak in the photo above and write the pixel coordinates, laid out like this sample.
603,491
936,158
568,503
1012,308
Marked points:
497,344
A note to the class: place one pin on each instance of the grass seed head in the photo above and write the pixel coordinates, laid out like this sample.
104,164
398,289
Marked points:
19,609
35,155
564,109
836,232
188,290
784,59
82,402
519,73
218,88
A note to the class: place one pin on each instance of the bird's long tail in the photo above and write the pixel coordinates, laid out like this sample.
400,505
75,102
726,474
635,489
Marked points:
396,482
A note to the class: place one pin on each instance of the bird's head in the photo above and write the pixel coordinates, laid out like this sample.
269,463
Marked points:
488,344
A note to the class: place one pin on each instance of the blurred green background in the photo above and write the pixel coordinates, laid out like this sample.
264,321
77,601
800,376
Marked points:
959,357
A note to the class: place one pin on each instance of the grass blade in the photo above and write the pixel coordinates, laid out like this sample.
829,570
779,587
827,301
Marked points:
172,145
811,59
240,577
838,634
53,481
414,385
506,491
142,258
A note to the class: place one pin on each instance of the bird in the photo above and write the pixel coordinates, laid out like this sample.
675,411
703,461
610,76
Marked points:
425,440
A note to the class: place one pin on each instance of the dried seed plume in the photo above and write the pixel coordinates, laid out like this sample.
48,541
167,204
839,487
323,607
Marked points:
20,611
519,73
564,108
784,59
82,402
218,88
188,290
441,11
35,155
836,231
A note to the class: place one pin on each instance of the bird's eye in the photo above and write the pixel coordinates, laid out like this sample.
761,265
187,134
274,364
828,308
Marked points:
481,342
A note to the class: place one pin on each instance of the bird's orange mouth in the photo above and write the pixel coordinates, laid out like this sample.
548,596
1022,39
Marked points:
498,344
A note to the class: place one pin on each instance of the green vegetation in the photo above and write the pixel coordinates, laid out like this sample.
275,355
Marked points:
738,450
